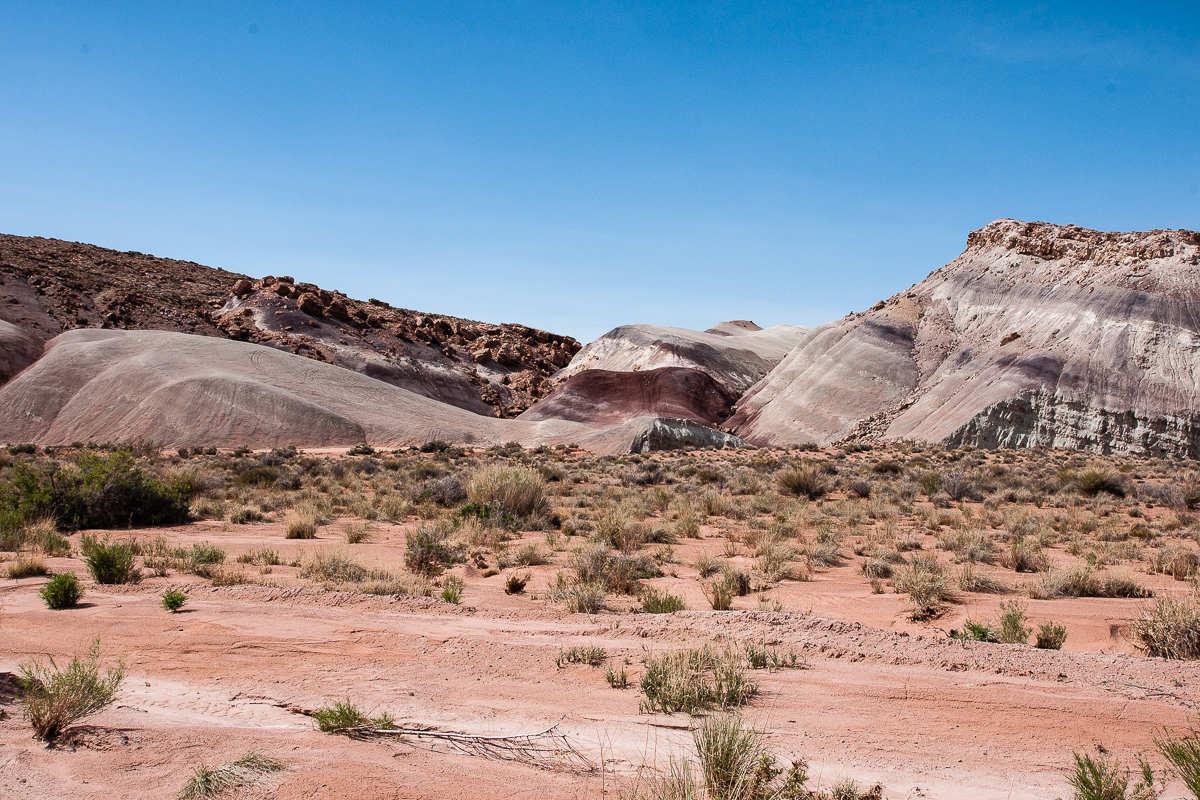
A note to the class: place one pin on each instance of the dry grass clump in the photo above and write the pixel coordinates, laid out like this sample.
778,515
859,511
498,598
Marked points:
300,523
28,564
1169,628
1177,560
693,680
925,581
1081,580
577,596
973,579
521,492
1025,555
236,776
807,480
333,566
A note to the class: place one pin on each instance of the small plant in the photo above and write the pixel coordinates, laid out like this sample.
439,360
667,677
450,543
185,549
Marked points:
62,591
242,773
1051,636
452,592
426,551
55,698
173,600
363,449
975,632
707,564
1099,779
113,563
1183,754
660,602
1010,628
592,655
617,679
515,582
358,534
925,582
719,594
344,718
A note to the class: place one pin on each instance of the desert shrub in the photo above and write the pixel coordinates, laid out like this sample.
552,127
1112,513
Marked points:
240,514
236,776
62,591
1051,636
446,492
173,600
54,698
1010,627
363,449
515,583
616,528
262,477
224,576
519,491
707,564
1169,628
300,523
1177,560
694,680
739,581
925,582
807,480
113,562
27,565
1092,482
1183,754
97,492
579,597
975,632
719,594
1100,779
344,718
427,551
971,546
861,488
332,566
1082,581
660,602
1025,555
358,534
617,572
930,483
958,485
972,579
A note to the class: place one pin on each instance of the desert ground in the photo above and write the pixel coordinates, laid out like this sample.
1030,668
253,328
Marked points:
460,591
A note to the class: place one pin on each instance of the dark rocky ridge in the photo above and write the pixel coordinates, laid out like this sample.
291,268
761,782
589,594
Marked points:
48,286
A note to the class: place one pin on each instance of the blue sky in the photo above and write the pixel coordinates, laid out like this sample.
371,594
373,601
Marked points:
576,166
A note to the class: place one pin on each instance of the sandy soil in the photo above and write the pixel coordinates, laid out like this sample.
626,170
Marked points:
882,698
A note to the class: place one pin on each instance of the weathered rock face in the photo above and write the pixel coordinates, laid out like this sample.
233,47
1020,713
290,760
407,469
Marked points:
49,286
1036,334
734,354
601,397
179,389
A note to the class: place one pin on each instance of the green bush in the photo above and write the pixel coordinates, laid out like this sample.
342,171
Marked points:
659,602
55,698
426,551
452,592
98,492
1184,757
344,718
1099,779
694,680
1051,636
1011,627
173,600
111,563
62,591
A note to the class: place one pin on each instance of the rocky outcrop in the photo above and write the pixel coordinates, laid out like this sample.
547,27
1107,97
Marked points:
49,286
179,389
601,397
734,354
1036,334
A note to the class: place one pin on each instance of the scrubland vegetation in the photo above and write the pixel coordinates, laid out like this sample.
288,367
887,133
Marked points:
638,534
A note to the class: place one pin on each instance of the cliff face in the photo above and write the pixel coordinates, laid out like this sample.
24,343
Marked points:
1037,334
48,286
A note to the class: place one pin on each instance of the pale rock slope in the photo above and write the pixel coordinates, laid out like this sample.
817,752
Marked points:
736,354
183,389
1037,334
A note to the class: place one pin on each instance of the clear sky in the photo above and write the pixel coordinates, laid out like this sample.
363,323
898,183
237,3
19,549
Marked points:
576,166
